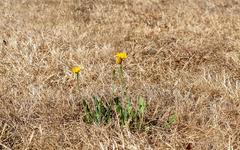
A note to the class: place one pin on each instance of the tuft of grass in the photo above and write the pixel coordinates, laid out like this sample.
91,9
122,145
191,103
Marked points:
124,111
100,114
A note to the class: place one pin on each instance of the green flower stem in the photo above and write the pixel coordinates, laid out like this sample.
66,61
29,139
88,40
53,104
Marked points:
123,83
78,82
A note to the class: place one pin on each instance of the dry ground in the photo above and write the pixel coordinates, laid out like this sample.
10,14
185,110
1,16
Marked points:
184,58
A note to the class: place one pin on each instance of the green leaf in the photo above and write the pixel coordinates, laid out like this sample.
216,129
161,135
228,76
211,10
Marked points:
125,116
103,109
85,106
118,105
131,112
141,105
172,119
87,111
120,110
129,107
108,113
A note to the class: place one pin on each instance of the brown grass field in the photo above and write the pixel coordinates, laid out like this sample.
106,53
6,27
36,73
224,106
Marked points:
183,58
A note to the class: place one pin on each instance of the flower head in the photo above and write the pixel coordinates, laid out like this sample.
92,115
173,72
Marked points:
76,70
120,57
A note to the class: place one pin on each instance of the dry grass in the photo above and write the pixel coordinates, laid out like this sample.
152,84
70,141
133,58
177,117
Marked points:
184,58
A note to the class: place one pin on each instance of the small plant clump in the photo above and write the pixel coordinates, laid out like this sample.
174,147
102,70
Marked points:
120,109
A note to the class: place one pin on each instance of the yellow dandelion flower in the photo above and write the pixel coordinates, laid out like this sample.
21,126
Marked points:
76,70
120,57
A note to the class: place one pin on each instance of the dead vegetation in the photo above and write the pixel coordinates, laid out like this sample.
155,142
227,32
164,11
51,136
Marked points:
184,58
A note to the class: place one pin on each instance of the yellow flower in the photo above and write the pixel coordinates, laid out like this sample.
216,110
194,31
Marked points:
120,57
76,70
